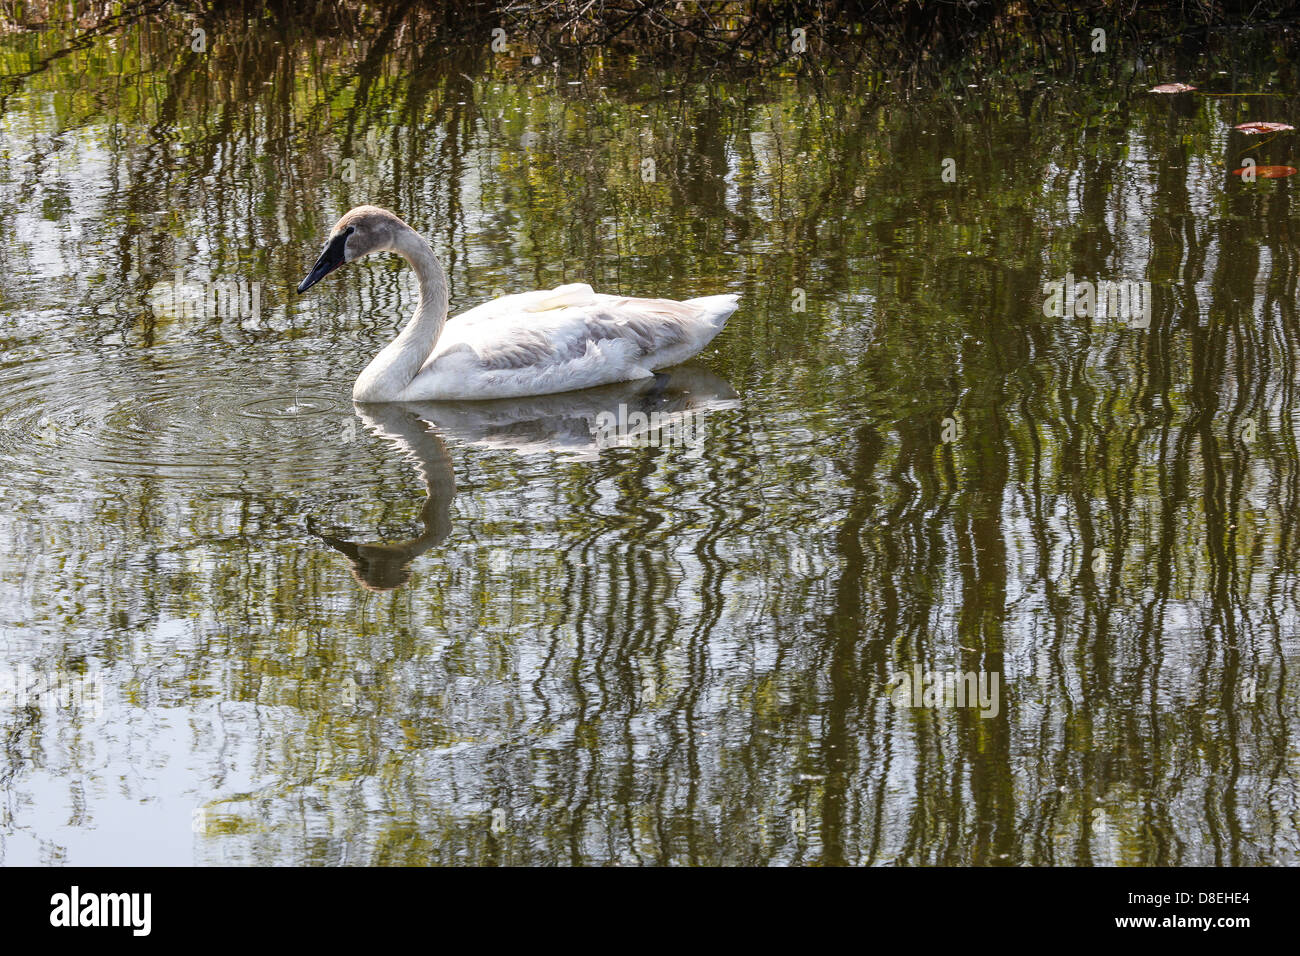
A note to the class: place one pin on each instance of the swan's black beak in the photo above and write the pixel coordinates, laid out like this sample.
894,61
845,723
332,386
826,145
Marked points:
329,260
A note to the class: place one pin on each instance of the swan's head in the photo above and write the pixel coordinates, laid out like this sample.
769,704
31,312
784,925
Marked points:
363,230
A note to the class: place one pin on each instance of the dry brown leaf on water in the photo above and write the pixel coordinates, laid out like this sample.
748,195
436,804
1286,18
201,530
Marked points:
1267,172
1260,127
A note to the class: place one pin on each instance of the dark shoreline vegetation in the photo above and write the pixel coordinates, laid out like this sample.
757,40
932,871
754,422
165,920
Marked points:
917,39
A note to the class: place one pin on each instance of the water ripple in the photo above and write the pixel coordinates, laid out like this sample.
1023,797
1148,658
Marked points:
157,416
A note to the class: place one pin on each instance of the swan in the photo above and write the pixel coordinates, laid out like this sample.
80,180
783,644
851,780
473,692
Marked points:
530,343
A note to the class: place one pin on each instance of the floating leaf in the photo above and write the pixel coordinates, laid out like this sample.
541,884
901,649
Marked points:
1267,172
1172,88
1263,127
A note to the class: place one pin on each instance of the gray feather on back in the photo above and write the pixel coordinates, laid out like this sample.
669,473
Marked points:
646,332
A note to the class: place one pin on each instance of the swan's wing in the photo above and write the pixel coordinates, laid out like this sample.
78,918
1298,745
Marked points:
635,329
541,300
504,352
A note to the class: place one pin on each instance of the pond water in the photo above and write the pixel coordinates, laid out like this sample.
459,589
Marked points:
245,621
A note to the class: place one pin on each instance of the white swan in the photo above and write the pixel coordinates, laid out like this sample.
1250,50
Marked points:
532,343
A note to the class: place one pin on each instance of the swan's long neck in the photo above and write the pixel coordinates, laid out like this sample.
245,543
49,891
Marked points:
393,369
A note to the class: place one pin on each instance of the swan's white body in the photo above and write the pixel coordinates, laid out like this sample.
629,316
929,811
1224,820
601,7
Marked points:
532,343
537,343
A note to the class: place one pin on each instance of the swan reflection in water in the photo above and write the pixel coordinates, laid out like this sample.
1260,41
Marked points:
665,409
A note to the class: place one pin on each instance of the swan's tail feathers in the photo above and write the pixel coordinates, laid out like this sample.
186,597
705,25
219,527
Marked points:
717,308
